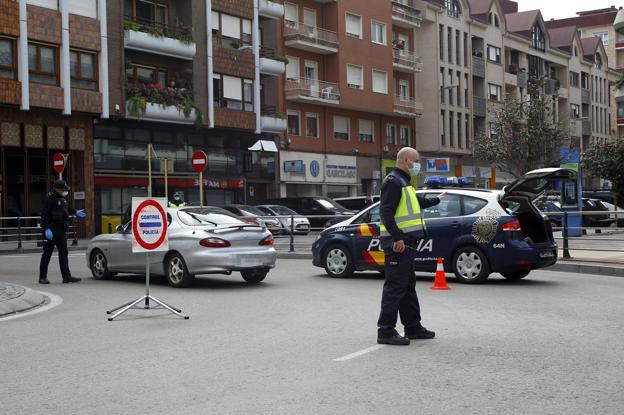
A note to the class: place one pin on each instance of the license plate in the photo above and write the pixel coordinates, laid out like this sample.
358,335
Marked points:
248,261
547,254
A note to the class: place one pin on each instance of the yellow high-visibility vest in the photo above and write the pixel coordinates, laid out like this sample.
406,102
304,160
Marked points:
407,215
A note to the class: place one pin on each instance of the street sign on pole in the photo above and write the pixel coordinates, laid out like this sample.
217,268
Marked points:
199,162
58,163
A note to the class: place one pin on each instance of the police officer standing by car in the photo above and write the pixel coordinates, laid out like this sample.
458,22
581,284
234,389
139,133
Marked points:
176,200
401,228
55,221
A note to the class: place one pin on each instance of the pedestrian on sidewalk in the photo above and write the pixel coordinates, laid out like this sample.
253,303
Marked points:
401,229
54,222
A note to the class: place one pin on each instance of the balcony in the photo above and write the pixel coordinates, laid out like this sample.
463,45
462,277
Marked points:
271,63
405,61
585,96
272,121
586,127
309,90
478,67
478,107
618,23
407,106
310,38
153,103
270,9
563,93
511,79
406,15
162,39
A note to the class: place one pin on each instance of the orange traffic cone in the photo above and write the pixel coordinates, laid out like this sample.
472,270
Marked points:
440,277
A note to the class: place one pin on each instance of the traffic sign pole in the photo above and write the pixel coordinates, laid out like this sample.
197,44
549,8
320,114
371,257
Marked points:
201,189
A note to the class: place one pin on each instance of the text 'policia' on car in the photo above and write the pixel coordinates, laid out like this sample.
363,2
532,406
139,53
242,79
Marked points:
476,231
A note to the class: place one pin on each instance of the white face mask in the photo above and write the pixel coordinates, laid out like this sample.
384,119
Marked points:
415,169
65,193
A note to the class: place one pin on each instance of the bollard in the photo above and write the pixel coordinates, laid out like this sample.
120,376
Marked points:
110,227
292,233
19,233
566,250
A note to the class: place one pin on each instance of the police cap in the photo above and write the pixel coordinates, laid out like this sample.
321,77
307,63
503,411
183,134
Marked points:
60,184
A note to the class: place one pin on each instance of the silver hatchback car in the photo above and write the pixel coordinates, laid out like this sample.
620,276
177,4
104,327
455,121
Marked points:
206,240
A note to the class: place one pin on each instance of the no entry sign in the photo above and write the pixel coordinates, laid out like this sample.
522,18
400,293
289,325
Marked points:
149,224
199,161
58,162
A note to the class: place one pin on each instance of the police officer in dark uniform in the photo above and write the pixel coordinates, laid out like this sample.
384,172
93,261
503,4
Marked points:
54,221
176,200
401,229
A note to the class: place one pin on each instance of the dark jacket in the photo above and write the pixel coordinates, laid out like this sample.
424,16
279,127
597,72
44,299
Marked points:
56,211
391,191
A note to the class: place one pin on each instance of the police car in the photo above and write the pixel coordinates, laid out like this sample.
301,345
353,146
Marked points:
476,231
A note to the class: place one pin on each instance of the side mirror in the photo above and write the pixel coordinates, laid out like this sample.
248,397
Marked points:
119,228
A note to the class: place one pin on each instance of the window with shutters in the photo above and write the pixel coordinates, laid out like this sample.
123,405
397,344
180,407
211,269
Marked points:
312,125
390,134
380,82
293,123
341,128
43,64
354,77
378,32
405,135
83,70
233,93
230,31
493,54
495,92
366,131
353,25
8,61
292,68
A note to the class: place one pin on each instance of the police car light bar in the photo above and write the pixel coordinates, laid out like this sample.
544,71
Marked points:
444,180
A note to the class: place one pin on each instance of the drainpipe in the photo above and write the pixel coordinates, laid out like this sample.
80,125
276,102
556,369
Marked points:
256,49
65,73
103,58
23,55
211,109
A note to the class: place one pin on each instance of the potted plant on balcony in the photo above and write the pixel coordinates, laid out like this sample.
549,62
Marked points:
153,93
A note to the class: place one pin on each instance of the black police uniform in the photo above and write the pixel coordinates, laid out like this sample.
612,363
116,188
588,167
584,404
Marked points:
55,216
399,291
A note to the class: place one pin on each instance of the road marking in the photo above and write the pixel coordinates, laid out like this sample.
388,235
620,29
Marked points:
55,301
37,255
360,353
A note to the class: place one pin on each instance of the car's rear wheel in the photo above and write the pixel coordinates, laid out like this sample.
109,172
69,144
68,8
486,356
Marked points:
516,275
254,276
99,266
338,262
470,265
177,271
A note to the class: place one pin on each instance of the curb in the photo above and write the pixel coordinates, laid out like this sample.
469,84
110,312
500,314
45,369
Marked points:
37,250
22,301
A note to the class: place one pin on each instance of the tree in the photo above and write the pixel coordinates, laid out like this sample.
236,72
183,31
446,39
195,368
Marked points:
606,160
524,135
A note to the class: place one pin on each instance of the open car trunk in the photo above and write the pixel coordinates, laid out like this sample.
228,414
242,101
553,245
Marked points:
534,227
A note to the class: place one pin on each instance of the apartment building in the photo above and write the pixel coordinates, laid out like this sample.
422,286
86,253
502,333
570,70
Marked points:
52,87
187,76
486,51
349,93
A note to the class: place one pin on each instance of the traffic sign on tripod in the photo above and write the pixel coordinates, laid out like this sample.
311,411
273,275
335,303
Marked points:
149,225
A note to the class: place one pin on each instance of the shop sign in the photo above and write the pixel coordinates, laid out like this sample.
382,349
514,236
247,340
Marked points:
294,166
315,168
438,165
343,171
477,172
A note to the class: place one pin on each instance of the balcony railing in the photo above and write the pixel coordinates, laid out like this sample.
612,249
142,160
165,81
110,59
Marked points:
478,67
478,106
156,29
586,127
271,63
310,89
152,102
406,105
407,60
585,96
406,13
148,36
301,32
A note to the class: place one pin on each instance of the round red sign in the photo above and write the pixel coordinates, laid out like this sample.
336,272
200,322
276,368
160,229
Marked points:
149,224
58,162
199,161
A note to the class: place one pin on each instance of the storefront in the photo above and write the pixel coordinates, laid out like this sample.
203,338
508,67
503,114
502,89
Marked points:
314,174
369,175
482,177
234,173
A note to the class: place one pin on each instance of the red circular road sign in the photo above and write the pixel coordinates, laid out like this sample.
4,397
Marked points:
199,161
58,162
149,224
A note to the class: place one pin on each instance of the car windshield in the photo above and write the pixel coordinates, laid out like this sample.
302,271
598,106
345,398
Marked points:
207,217
283,210
250,211
329,204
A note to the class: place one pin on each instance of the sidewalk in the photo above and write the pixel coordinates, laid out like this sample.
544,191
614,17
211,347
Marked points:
15,298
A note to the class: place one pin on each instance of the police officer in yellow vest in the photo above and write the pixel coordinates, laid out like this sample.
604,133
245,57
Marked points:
402,226
177,200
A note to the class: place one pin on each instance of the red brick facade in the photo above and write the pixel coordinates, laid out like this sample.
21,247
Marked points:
241,8
10,91
9,18
46,96
233,62
86,101
44,25
235,119
84,33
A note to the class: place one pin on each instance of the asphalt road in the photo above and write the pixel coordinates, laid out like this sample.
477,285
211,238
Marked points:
302,343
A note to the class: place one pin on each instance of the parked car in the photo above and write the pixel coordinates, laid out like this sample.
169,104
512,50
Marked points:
254,215
204,240
357,203
299,224
551,204
620,213
315,205
476,231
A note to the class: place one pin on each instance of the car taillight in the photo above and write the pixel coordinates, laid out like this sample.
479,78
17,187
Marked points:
268,241
214,243
514,225
548,224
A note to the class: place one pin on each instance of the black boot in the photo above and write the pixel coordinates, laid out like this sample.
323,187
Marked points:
43,281
419,333
71,279
394,339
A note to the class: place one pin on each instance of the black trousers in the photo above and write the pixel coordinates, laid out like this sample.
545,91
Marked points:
60,241
399,292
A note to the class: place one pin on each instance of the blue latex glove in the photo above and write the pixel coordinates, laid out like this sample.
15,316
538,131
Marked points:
81,213
48,234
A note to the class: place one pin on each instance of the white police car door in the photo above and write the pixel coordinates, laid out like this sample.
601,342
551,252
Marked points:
444,223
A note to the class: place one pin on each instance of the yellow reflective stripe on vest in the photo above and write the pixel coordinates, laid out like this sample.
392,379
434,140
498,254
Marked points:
407,215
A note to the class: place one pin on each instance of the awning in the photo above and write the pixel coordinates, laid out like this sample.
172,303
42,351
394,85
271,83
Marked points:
264,145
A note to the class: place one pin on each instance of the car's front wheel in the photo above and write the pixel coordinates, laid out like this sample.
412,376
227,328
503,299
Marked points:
338,262
177,271
516,275
99,266
254,276
470,265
